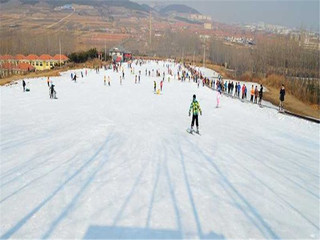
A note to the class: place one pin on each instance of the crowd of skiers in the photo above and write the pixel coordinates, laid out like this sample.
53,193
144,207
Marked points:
184,73
119,68
239,91
52,91
74,76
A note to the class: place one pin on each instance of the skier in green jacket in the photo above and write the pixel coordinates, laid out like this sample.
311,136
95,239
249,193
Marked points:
195,108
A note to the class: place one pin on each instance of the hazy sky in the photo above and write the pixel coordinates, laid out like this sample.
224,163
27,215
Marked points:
289,13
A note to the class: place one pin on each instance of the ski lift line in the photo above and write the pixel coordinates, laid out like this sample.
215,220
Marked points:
62,19
307,118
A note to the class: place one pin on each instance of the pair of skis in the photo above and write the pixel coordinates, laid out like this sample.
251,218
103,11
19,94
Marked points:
191,131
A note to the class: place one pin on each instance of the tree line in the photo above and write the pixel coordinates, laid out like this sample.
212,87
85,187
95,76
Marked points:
33,42
278,60
277,55
83,56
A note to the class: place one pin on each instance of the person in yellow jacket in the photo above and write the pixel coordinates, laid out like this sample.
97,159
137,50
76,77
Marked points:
195,109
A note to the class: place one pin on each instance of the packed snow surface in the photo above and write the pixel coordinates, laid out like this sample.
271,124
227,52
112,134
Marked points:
117,162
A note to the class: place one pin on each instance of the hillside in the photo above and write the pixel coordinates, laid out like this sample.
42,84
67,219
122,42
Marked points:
179,8
111,3
116,162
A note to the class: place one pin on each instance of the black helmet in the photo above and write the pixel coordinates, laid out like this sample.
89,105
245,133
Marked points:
194,96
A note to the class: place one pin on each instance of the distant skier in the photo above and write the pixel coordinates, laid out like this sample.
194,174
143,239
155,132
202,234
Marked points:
218,97
24,85
195,108
52,91
48,82
256,93
135,79
260,94
75,78
243,91
81,74
252,93
239,88
154,86
104,80
109,80
236,90
161,84
282,94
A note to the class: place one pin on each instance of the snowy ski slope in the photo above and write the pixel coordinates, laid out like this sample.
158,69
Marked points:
117,162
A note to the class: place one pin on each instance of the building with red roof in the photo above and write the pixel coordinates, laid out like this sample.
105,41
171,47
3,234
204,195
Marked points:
63,57
8,68
20,57
44,62
6,65
20,64
32,57
45,57
6,58
25,67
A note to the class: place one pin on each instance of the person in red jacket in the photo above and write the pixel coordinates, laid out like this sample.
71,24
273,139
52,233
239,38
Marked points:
243,89
161,84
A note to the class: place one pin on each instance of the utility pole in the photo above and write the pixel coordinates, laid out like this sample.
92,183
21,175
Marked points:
150,28
204,52
105,50
182,55
47,44
60,50
194,52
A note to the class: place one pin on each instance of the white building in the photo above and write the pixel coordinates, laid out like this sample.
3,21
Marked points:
207,26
